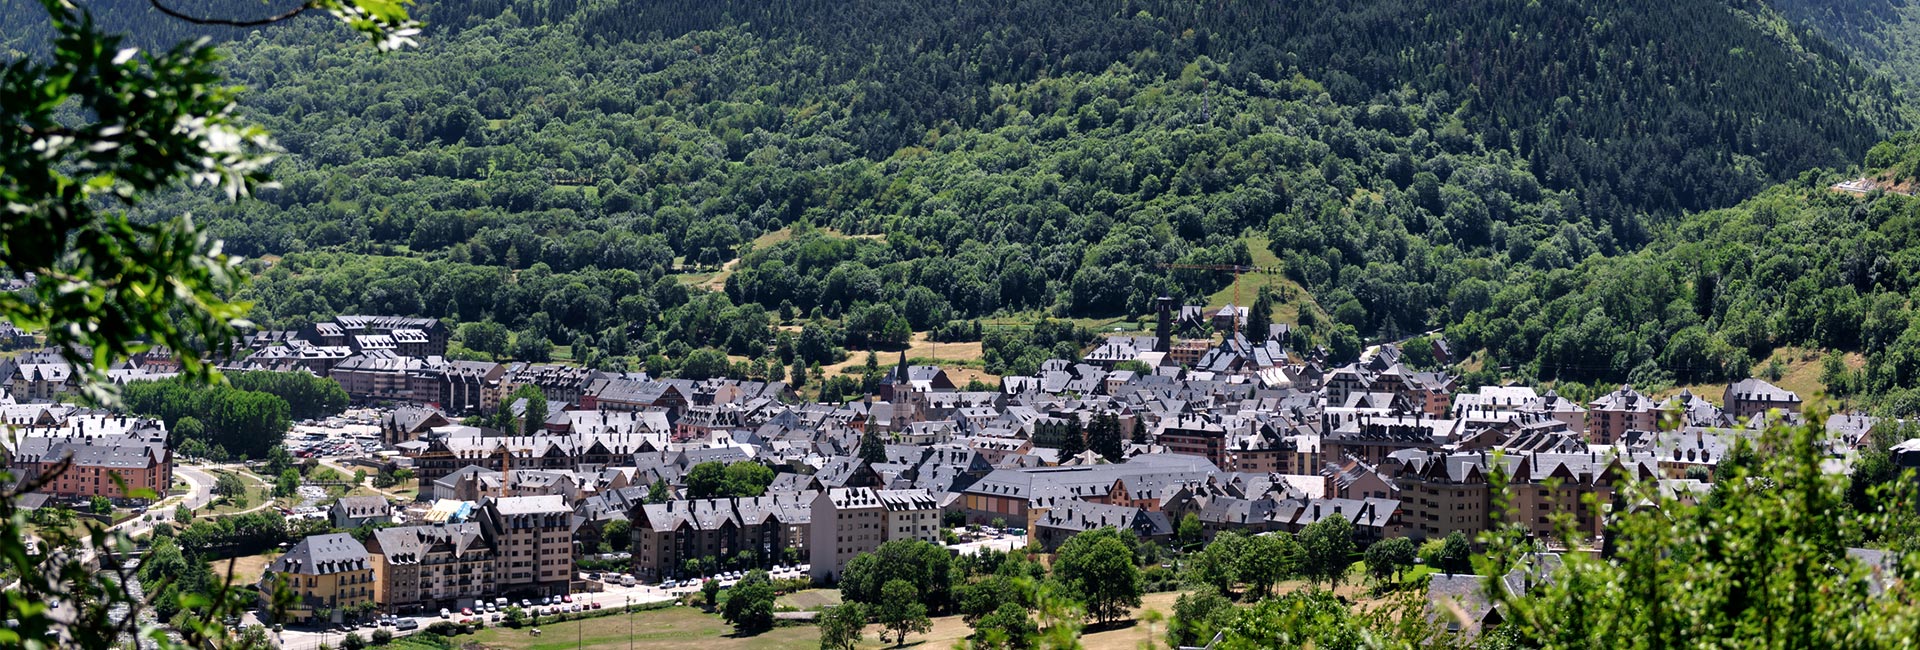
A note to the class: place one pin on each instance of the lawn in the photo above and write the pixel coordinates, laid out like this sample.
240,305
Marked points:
245,570
676,627
258,492
810,599
682,627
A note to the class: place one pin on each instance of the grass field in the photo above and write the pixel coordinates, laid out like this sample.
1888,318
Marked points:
919,351
677,627
244,570
810,599
685,627
1290,297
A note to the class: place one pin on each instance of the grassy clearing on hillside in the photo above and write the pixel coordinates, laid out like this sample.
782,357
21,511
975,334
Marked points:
1800,373
1289,296
717,280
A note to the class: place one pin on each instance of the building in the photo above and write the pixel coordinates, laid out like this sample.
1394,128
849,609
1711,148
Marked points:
411,336
386,376
354,512
1614,414
331,578
424,568
533,543
1201,436
1750,397
850,521
1053,525
96,466
911,514
41,382
717,531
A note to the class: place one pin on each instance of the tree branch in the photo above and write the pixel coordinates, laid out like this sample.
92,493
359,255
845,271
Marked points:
230,22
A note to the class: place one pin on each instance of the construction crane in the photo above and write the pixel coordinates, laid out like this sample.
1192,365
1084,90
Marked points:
1236,270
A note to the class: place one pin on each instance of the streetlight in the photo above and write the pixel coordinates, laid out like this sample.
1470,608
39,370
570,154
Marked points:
629,621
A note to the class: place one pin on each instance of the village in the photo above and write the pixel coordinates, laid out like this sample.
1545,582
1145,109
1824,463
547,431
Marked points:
616,488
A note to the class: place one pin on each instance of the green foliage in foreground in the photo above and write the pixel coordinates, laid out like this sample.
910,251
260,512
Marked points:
84,134
1762,564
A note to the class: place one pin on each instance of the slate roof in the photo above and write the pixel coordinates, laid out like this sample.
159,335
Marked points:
322,555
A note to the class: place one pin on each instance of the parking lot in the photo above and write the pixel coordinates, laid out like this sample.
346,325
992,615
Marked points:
351,434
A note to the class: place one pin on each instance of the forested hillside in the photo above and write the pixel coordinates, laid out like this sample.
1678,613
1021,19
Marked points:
1883,35
550,166
1798,265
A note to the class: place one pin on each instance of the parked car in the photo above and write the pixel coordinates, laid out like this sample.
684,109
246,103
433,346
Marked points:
596,605
445,614
566,598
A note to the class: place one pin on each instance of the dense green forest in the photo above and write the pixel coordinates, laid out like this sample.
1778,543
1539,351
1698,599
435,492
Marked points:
561,170
1797,265
1881,34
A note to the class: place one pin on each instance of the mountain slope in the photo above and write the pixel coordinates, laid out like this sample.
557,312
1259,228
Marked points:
547,164
1662,105
1883,35
1799,265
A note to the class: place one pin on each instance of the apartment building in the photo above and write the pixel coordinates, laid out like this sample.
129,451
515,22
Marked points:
329,576
1614,414
666,535
424,568
850,521
1750,397
911,514
533,543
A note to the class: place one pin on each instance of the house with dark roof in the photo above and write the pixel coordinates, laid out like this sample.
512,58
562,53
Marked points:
354,512
1750,397
665,536
330,573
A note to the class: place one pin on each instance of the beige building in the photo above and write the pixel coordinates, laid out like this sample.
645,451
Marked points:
851,521
533,543
330,576
911,514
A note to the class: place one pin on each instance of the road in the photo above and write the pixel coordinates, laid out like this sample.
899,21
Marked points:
201,493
